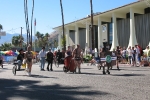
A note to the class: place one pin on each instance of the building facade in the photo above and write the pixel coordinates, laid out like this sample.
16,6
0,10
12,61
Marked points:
125,26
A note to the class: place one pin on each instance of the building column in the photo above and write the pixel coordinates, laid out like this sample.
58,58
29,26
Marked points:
114,37
76,34
67,37
132,40
87,34
100,43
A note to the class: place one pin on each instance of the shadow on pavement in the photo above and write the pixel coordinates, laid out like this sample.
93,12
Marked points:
135,70
3,69
90,73
128,75
29,90
38,76
87,68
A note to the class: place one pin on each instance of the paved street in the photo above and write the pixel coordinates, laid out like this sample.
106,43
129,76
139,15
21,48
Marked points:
130,83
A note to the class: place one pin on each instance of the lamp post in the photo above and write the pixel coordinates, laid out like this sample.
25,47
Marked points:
21,38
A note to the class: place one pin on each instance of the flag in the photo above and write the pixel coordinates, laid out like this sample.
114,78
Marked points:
35,22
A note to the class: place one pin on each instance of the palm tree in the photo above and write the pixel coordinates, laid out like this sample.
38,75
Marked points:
16,40
92,24
47,36
62,23
6,46
38,34
31,21
1,27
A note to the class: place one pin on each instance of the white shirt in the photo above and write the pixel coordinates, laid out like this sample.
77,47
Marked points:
42,54
130,52
137,50
124,52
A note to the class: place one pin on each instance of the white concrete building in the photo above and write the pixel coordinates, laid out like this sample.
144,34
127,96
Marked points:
128,25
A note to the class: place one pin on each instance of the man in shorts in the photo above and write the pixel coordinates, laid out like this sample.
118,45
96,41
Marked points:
77,56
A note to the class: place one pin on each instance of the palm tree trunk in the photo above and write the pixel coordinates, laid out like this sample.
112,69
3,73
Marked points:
25,12
63,23
92,33
31,22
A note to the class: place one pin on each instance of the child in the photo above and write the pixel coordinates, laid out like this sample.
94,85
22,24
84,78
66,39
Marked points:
143,60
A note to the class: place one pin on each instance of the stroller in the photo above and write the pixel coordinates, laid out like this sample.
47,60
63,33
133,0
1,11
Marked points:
69,65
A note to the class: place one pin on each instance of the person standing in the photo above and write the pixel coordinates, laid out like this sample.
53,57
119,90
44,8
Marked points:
138,56
77,56
59,56
42,55
118,53
130,54
28,57
68,52
148,55
20,58
133,56
1,60
50,60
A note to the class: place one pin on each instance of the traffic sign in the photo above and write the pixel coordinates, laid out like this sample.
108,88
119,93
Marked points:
2,33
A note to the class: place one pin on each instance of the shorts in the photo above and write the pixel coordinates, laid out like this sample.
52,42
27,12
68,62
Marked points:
77,58
118,57
148,59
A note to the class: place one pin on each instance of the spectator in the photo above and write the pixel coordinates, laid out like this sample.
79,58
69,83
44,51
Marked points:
42,55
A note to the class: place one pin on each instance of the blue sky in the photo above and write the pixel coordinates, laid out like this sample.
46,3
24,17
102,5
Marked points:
47,12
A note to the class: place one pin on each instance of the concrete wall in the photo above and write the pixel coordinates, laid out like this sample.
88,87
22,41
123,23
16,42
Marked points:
72,37
82,37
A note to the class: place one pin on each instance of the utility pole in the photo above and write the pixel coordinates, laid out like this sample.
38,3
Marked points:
21,38
92,33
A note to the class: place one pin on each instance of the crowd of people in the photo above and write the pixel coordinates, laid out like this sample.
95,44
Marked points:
133,56
47,56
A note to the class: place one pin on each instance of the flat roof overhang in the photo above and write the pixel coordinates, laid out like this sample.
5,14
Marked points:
123,10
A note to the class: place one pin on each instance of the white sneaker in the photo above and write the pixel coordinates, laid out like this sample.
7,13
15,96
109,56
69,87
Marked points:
27,71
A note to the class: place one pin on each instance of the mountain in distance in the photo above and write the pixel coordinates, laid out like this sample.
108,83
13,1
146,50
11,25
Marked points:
8,37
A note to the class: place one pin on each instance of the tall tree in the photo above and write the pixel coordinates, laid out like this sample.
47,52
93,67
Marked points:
64,45
38,34
92,33
16,40
47,36
32,21
6,46
1,27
